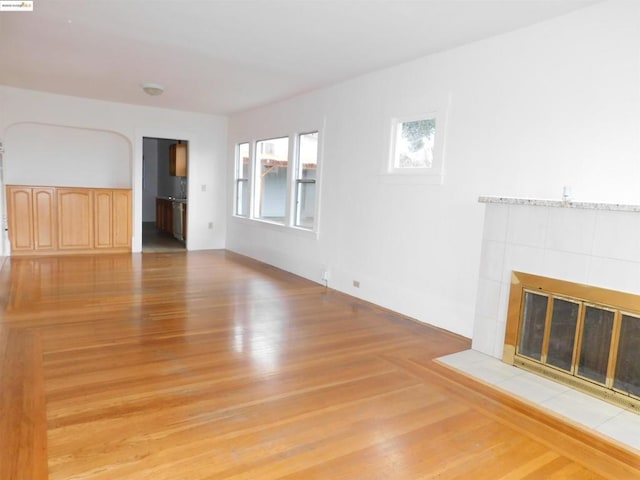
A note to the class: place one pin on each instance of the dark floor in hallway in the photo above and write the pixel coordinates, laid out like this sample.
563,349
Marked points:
154,241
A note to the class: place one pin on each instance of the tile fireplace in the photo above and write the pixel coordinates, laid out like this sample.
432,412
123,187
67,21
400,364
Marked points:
547,318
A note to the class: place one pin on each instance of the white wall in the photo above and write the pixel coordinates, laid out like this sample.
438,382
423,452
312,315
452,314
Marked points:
66,156
555,104
207,149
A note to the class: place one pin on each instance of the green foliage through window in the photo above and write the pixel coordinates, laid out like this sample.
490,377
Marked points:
416,133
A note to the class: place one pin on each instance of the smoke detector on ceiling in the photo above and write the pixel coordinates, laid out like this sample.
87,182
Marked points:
152,89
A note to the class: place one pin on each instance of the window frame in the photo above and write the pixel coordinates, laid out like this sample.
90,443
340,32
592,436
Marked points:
290,221
257,191
433,175
396,123
238,180
298,181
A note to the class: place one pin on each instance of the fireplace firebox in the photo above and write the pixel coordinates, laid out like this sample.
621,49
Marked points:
583,336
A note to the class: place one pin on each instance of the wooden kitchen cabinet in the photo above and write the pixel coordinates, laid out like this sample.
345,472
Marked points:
184,222
47,220
164,215
178,160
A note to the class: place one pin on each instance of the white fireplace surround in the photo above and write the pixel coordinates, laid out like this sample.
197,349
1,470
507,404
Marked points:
590,243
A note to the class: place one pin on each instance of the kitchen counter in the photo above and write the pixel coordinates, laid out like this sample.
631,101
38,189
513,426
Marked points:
174,199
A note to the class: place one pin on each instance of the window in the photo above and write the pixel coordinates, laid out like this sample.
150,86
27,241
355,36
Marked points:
271,168
414,142
305,180
276,180
416,147
243,192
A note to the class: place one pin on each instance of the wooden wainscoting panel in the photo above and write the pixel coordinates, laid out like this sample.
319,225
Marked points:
75,211
103,218
55,220
44,219
20,216
121,218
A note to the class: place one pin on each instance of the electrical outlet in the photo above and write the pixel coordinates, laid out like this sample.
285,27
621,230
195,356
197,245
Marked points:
325,275
204,188
356,283
210,225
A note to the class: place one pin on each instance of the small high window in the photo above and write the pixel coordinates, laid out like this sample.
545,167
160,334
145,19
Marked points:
414,143
416,150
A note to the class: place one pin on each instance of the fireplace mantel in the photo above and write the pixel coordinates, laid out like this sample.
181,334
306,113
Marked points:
612,207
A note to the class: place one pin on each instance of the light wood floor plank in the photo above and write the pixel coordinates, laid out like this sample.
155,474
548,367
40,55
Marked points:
209,365
23,433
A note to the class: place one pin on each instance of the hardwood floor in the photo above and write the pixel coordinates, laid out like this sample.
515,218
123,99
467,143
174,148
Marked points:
207,365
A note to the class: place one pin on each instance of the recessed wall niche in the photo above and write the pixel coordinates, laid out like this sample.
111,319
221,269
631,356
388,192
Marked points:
43,154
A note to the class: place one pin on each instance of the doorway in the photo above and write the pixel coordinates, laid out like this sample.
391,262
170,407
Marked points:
164,194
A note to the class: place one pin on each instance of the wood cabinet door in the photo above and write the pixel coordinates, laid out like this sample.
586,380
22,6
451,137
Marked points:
168,216
44,219
20,216
164,215
75,218
178,160
103,218
158,214
184,222
121,218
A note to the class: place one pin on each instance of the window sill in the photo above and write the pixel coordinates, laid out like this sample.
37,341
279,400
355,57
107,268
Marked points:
277,227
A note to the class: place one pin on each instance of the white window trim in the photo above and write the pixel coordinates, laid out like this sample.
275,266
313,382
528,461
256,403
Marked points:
294,180
289,224
255,191
236,178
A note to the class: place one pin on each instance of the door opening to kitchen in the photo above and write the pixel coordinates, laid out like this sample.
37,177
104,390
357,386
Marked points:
164,195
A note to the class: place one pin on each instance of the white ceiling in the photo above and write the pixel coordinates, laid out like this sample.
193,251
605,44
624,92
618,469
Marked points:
221,56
